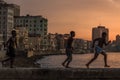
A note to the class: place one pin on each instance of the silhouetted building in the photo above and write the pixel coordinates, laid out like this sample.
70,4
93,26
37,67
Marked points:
7,13
97,32
115,45
81,45
57,41
36,25
118,39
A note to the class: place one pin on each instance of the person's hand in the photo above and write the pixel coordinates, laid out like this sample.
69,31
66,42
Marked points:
109,41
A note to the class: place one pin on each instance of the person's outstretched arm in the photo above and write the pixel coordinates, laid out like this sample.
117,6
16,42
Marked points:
106,43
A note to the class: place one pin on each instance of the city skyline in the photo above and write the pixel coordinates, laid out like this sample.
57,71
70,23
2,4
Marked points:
78,15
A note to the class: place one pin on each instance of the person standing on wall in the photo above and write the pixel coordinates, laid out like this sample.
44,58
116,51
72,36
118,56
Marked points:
11,47
69,50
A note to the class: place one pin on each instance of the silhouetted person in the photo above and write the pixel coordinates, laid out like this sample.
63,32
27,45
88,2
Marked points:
99,49
11,46
69,50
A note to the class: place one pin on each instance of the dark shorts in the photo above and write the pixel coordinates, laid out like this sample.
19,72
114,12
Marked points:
69,52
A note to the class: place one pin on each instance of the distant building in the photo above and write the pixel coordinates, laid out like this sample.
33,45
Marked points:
34,43
118,39
82,45
7,13
51,41
89,45
36,25
22,38
57,41
117,43
97,32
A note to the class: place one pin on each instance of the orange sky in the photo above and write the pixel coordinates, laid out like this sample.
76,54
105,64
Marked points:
77,15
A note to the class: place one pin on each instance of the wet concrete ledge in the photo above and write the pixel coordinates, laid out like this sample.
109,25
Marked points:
59,74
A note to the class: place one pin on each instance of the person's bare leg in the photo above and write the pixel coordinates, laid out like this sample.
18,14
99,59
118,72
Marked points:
94,58
63,64
11,62
70,59
105,59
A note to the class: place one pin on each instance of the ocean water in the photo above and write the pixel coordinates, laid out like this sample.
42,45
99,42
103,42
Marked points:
79,61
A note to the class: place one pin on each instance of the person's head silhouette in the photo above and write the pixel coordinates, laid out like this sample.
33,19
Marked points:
13,32
72,33
104,34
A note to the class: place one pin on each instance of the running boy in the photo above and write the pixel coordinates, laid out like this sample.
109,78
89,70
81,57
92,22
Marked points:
69,50
99,49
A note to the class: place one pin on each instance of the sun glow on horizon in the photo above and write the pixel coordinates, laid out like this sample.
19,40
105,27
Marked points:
78,15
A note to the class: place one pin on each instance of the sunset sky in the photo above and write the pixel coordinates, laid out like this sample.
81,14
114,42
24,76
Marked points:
78,15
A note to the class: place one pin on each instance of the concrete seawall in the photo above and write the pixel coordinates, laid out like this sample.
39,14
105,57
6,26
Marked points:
59,74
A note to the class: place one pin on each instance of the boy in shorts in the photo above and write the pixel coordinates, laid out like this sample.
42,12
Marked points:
99,49
69,50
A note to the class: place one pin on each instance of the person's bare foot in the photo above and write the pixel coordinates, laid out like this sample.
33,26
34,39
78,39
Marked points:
67,67
87,66
106,66
63,64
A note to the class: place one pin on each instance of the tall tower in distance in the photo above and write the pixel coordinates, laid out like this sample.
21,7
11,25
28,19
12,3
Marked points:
7,13
97,32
